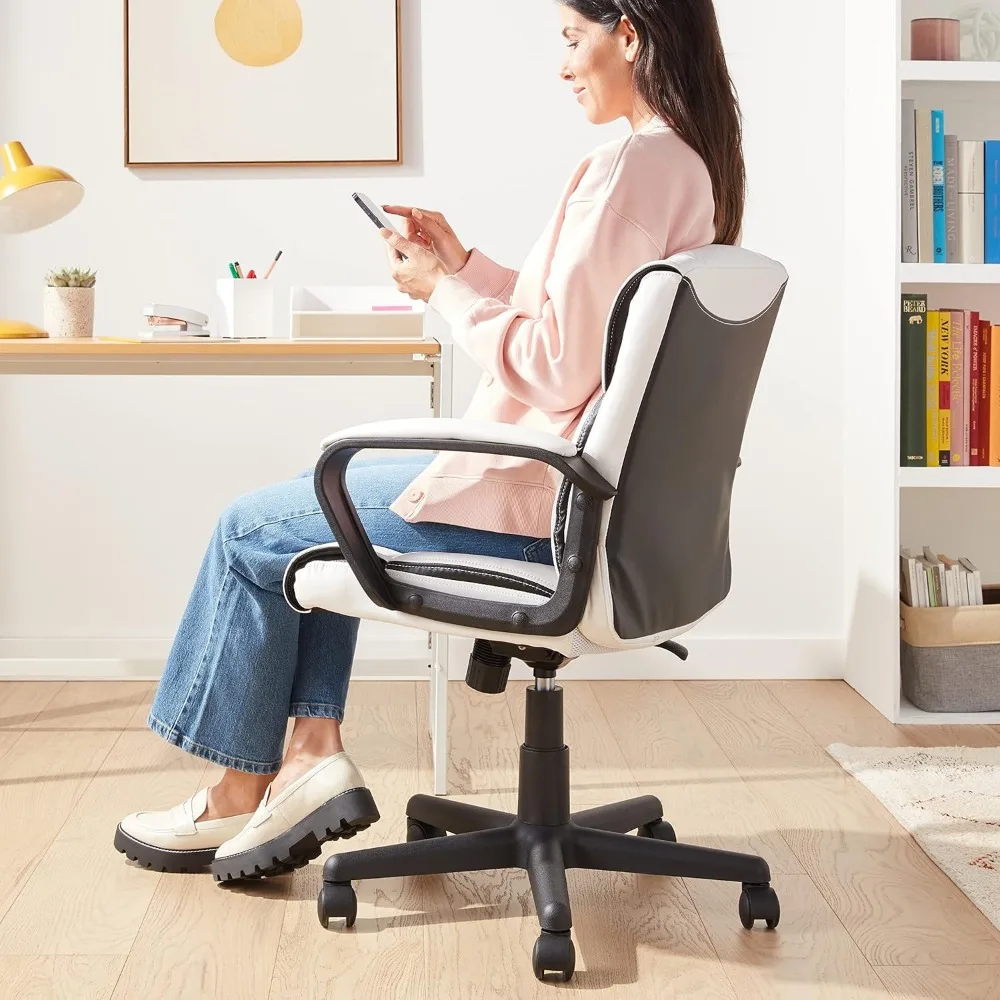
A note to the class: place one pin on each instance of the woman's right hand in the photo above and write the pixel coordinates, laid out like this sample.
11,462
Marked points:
431,230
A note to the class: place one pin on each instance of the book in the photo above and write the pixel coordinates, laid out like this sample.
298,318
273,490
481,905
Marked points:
975,372
966,384
971,200
908,246
956,399
975,581
944,386
913,397
933,392
951,198
994,390
908,587
937,186
991,243
935,578
985,389
925,199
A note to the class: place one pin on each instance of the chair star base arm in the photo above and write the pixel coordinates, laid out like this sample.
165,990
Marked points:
545,840
557,616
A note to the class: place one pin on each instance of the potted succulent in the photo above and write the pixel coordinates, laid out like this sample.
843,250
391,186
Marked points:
69,302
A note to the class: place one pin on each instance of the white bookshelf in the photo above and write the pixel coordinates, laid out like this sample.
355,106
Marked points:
876,488
957,477
949,72
950,274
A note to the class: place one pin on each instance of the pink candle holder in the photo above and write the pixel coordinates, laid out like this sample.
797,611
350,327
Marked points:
936,38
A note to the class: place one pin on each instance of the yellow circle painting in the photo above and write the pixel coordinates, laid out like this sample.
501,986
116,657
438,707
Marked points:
259,32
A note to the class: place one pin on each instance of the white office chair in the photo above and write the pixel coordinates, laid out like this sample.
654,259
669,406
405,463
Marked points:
641,546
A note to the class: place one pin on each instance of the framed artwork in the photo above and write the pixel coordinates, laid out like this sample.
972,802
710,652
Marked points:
262,82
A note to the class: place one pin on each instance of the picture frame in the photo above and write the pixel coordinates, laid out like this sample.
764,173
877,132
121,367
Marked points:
234,100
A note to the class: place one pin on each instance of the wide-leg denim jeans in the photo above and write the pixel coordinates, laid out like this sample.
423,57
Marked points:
242,660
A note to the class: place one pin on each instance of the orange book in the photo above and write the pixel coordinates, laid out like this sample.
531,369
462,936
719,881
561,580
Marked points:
994,453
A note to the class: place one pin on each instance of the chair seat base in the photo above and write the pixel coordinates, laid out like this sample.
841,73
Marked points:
598,839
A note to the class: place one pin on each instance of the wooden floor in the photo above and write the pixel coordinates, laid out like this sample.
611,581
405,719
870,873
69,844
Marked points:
738,765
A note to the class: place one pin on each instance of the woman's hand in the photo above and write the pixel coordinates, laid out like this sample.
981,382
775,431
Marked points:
431,230
418,275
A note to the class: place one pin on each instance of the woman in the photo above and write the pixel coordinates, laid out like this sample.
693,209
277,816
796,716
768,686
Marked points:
243,661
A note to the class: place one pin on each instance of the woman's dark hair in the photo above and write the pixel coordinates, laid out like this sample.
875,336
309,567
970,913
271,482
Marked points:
681,74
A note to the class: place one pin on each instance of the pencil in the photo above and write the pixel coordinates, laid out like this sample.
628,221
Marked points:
239,270
277,256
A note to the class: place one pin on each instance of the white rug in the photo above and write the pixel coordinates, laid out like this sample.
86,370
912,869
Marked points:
948,798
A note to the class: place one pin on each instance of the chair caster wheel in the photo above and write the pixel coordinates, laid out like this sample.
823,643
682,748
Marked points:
337,899
759,902
658,830
554,953
415,830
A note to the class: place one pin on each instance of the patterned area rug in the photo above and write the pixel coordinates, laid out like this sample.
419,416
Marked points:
948,798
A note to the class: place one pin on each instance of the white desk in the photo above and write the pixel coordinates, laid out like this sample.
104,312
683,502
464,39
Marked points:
43,356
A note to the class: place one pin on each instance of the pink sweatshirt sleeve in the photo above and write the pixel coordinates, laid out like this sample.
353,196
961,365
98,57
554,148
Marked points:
552,360
487,277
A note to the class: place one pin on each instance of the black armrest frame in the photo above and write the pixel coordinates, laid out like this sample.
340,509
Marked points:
559,615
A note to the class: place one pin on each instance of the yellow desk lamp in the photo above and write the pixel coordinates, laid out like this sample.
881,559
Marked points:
31,197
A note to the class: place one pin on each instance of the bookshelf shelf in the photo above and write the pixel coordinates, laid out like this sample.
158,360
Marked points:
970,477
950,274
950,72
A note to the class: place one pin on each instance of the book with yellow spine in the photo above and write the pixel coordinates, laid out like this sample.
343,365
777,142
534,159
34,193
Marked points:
933,390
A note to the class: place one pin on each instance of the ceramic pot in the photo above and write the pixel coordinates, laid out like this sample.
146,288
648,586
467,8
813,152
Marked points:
69,312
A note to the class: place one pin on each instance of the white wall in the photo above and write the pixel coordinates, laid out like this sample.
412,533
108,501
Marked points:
109,487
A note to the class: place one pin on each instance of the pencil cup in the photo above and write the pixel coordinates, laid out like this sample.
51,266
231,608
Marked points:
248,304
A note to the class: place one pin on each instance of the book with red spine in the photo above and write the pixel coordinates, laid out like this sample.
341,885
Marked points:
985,389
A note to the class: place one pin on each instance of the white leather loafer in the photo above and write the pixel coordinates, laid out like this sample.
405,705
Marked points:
328,802
173,840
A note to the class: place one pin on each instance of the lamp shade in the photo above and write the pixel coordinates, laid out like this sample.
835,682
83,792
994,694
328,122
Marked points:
32,196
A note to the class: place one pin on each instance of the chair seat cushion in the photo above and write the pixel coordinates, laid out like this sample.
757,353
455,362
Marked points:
320,578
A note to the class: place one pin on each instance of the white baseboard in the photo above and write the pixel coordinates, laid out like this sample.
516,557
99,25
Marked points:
406,658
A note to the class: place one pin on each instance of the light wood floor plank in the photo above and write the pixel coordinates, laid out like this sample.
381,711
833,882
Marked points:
898,906
947,982
63,977
382,956
84,898
20,703
43,775
673,756
808,957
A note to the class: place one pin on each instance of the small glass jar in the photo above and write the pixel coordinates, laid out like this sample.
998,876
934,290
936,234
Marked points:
937,38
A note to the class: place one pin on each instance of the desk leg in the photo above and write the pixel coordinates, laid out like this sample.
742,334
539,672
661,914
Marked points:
438,694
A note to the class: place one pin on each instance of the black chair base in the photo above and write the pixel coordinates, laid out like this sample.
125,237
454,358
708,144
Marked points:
545,840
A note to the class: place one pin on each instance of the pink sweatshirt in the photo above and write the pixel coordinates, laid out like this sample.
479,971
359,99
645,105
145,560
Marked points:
539,335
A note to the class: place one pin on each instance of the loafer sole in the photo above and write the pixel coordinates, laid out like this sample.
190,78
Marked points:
162,859
340,818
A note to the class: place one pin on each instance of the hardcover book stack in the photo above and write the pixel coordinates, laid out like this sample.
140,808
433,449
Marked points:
950,386
951,193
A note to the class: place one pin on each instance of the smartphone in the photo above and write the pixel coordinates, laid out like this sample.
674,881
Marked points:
373,211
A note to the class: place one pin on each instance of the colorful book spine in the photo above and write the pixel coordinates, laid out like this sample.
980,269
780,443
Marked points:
925,198
952,253
908,242
975,373
985,389
966,386
933,392
991,245
994,396
970,201
938,187
959,425
944,387
913,398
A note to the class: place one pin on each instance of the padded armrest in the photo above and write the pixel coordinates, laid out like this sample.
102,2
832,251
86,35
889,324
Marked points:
441,434
434,430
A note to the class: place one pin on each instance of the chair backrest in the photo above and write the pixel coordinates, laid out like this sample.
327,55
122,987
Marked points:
683,351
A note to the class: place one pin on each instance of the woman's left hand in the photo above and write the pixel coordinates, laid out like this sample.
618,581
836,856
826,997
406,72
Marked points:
420,273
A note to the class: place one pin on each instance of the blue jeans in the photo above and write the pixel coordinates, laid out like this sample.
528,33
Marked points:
242,660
